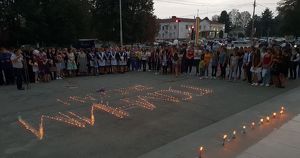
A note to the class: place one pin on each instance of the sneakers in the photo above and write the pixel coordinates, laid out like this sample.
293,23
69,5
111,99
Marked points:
267,85
262,84
254,84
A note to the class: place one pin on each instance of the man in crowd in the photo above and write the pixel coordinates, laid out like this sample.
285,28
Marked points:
17,62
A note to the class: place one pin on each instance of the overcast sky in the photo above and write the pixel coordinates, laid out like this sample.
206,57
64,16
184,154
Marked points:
208,8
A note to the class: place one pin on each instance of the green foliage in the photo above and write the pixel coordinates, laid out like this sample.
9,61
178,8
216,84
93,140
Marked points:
289,14
224,18
139,23
61,22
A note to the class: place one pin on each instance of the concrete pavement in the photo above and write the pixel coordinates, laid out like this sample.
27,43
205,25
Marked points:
142,132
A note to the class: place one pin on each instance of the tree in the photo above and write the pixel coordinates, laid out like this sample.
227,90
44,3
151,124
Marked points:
235,18
244,19
266,22
47,21
215,18
289,14
139,22
224,18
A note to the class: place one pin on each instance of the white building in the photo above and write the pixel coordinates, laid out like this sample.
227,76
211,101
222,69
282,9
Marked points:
181,29
175,28
210,29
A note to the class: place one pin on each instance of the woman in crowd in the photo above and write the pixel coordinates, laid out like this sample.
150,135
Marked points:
190,59
82,63
207,59
295,59
114,62
214,65
101,61
233,64
176,62
72,66
223,62
266,67
256,67
35,68
108,61
164,61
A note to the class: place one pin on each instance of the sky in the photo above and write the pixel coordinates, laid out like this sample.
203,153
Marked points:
208,8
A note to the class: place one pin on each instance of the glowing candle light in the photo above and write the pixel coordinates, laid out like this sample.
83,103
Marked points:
234,134
201,151
244,129
268,119
224,139
253,125
281,112
261,121
274,115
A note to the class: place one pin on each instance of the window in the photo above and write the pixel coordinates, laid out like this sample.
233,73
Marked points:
175,27
186,26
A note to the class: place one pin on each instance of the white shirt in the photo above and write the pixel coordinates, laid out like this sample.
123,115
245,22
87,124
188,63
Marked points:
17,63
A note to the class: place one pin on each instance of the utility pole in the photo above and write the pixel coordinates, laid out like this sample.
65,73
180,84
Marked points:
121,25
252,30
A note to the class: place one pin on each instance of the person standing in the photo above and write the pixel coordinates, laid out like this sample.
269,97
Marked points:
223,63
17,61
207,59
233,64
197,59
82,60
266,68
190,59
295,58
176,63
214,65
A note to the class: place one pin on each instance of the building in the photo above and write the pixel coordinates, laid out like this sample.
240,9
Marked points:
175,28
210,29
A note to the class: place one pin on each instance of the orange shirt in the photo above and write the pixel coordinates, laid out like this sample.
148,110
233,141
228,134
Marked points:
207,58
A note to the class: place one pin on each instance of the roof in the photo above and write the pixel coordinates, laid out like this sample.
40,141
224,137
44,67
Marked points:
176,19
212,22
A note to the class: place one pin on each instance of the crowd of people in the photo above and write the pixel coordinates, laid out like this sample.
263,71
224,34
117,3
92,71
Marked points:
264,66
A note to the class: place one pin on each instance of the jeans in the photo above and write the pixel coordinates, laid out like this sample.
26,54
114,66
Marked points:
266,75
197,61
19,74
223,71
144,65
214,71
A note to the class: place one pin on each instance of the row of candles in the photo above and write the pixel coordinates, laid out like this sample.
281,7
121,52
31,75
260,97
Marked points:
72,119
132,89
76,120
200,91
253,125
140,102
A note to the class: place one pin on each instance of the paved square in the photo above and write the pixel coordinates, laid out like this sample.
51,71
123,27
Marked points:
143,130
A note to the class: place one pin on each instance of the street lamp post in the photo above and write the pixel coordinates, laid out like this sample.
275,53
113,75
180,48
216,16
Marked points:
121,25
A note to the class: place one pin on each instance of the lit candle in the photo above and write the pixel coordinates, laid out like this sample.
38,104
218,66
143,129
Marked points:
274,115
261,121
253,125
281,112
268,119
224,139
201,150
234,134
244,129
